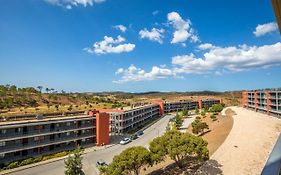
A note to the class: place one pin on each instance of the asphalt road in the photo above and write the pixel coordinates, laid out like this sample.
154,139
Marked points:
107,154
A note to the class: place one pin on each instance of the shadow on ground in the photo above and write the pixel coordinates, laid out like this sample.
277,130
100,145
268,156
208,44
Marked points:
193,167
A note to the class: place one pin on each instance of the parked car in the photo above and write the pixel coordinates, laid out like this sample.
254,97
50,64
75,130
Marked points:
139,133
100,163
125,141
134,137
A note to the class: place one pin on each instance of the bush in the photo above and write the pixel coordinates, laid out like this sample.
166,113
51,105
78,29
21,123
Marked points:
198,118
12,165
61,154
27,161
216,108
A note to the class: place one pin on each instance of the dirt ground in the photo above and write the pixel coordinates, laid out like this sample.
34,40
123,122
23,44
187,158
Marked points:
219,130
247,147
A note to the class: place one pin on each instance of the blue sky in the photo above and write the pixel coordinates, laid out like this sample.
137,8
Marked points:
177,45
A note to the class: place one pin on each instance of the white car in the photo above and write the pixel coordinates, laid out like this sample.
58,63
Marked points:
125,141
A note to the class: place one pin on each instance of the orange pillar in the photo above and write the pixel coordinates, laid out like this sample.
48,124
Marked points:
161,106
200,104
245,99
102,128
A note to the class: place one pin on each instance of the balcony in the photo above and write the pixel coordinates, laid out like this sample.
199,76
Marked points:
24,146
43,132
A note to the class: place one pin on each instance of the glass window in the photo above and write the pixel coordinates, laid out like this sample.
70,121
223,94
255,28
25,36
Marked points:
2,143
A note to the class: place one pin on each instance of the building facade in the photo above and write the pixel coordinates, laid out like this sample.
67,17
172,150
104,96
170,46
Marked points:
41,135
123,121
35,135
264,101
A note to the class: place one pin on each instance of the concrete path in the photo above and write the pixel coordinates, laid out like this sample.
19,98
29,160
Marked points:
89,159
247,147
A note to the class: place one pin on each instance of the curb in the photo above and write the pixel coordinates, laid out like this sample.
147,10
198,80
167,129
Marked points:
5,172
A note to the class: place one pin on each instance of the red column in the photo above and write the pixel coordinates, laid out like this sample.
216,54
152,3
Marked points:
245,99
161,106
102,128
200,104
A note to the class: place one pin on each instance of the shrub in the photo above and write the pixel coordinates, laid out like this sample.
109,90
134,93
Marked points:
27,161
198,118
12,165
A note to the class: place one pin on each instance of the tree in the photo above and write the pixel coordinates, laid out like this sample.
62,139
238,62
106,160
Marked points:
196,110
185,112
216,108
179,147
73,164
40,88
178,121
198,126
129,161
47,90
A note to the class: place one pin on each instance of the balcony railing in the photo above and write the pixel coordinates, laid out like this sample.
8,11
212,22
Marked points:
23,146
13,136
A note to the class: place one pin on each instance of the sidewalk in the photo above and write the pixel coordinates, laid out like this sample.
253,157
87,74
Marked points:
87,150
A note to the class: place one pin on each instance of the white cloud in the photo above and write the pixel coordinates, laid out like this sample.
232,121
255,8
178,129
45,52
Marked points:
110,45
232,58
153,35
154,13
68,4
133,74
205,46
263,29
183,29
216,60
121,28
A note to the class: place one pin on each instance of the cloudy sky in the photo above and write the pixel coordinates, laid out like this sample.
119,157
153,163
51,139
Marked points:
139,45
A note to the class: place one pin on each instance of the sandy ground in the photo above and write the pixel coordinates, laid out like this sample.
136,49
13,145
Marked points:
247,147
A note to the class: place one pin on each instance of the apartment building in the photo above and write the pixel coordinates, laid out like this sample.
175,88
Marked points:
125,120
264,101
35,135
180,105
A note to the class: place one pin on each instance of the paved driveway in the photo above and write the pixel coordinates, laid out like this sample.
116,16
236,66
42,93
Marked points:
107,154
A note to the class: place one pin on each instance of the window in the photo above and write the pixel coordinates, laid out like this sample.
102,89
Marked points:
83,140
68,133
68,124
3,131
2,155
17,142
2,143
17,130
83,131
36,138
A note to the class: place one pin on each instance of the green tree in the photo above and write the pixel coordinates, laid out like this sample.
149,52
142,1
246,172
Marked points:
129,161
198,126
185,112
179,147
178,121
196,110
73,164
216,108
